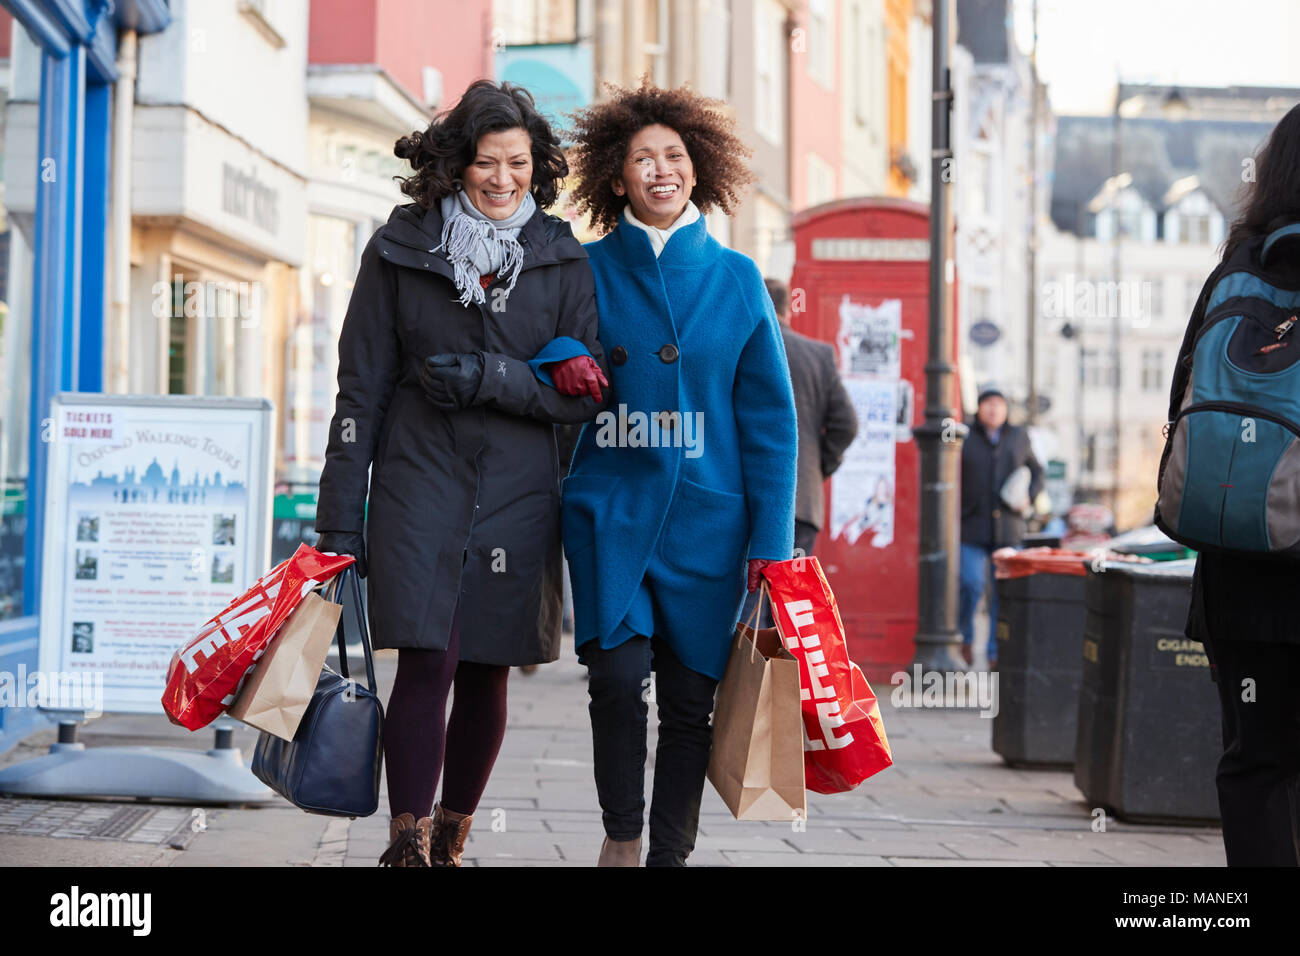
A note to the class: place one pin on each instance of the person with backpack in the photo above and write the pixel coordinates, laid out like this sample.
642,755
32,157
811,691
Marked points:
1229,486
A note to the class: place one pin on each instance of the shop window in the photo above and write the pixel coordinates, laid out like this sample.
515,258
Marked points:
15,414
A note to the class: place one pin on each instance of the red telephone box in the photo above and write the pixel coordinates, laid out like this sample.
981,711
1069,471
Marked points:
861,283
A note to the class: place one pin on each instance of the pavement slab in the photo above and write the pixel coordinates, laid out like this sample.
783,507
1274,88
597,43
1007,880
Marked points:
947,801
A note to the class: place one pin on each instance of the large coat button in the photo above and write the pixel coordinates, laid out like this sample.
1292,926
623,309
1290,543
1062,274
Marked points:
618,355
668,353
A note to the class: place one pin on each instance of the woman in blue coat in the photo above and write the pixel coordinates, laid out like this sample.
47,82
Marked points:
684,487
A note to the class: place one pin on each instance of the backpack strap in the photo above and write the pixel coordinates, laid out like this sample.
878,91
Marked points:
1279,233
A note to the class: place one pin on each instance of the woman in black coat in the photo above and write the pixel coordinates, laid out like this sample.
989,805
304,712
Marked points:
471,309
1244,609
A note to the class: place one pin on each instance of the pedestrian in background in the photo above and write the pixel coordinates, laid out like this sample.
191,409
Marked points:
470,308
658,533
1243,609
989,455
827,425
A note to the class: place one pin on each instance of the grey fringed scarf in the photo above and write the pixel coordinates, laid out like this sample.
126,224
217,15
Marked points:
476,245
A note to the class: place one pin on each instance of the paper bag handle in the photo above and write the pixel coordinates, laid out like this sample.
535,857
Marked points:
752,623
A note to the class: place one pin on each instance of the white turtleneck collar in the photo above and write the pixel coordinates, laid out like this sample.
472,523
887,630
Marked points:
659,237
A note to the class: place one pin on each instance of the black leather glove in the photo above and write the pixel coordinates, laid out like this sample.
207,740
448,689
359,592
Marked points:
344,542
452,380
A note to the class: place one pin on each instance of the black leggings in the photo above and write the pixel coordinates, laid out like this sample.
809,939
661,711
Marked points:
419,738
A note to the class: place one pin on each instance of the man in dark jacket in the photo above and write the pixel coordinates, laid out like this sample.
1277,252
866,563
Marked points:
991,452
827,423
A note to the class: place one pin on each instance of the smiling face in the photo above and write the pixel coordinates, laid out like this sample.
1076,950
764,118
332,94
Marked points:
657,176
500,173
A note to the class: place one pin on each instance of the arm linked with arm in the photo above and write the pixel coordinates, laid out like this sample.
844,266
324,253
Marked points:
522,387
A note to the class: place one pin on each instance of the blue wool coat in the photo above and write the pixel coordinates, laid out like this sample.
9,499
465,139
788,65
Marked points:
659,517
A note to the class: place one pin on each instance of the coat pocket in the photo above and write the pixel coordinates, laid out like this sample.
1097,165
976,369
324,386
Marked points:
584,500
706,531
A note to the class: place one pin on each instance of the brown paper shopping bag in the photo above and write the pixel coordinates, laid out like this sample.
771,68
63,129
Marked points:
276,692
756,763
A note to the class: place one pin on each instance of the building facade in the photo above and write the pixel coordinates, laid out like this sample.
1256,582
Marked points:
1124,256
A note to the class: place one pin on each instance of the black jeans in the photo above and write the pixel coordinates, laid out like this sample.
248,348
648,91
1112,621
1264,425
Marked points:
619,686
1259,774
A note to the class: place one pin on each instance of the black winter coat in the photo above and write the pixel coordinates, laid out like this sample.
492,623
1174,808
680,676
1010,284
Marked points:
1237,598
985,467
463,505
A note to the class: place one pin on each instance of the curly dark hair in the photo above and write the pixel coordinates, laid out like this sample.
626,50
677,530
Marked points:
440,153
1272,198
602,133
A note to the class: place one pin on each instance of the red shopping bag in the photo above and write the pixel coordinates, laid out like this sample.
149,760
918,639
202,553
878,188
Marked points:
205,675
844,737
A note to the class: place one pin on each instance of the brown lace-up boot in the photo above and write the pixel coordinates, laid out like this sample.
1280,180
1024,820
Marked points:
409,841
447,841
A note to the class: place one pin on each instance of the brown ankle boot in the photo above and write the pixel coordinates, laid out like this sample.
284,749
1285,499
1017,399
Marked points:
620,852
409,841
447,840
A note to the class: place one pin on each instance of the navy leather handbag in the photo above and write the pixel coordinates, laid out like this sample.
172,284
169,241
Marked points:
332,765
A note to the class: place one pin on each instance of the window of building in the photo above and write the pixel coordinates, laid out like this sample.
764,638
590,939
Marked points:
821,42
1194,219
769,67
1153,370
1100,370
1153,298
15,413
1099,451
202,332
866,65
1135,217
821,180
1195,228
656,40
530,22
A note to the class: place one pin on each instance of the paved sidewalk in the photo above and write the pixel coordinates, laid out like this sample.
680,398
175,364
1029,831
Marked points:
947,801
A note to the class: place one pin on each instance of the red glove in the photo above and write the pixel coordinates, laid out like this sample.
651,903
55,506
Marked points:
579,375
756,566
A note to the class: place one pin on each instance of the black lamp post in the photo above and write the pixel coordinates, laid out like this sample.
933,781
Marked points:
940,437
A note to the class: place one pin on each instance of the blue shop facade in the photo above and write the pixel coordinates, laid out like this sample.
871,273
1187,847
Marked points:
53,287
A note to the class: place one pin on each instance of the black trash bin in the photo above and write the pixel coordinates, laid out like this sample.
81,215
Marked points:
1149,735
1040,630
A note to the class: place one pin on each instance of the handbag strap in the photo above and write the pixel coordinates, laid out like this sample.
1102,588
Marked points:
1290,230
361,624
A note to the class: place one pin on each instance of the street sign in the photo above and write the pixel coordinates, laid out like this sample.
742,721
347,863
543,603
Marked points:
985,332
